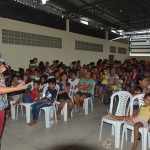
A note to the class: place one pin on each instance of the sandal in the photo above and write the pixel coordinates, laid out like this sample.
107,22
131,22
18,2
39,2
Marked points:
32,123
107,143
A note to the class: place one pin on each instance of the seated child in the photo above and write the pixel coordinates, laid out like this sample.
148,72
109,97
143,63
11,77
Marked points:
102,87
137,90
140,120
30,96
49,98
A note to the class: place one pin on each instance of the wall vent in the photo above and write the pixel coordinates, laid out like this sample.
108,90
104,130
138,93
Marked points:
29,39
86,46
122,50
112,49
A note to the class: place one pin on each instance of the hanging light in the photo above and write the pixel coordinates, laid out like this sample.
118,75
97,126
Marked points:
44,2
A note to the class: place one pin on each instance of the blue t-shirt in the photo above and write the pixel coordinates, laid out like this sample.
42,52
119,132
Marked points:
62,86
50,94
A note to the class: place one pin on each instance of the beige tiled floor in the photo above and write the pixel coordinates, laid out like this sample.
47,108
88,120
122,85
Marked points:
78,133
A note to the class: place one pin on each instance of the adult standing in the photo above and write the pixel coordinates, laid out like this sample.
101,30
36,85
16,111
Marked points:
3,96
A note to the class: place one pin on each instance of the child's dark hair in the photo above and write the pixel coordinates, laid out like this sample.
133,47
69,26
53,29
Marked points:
140,78
147,95
53,81
64,73
45,77
37,82
138,88
74,72
16,76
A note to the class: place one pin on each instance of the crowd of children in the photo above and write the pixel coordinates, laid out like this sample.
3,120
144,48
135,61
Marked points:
94,79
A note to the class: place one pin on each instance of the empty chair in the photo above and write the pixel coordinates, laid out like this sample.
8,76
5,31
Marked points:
149,139
27,108
124,97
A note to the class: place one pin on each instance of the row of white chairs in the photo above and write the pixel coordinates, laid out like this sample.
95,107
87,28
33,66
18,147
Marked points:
125,108
50,111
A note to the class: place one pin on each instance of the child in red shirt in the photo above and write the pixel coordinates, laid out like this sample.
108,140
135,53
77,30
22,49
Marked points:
31,96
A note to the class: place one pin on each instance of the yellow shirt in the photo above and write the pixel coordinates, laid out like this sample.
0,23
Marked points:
105,79
144,113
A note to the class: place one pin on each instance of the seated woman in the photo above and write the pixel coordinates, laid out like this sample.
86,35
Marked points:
43,82
111,86
142,118
86,89
143,82
13,96
74,81
63,94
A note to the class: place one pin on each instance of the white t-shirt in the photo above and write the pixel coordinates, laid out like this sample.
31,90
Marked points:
75,82
42,86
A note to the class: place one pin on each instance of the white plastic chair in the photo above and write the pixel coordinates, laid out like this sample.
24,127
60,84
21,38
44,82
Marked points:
120,111
13,110
27,108
50,111
143,131
149,139
88,101
145,137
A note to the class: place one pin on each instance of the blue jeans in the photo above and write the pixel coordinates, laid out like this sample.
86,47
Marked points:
36,109
26,98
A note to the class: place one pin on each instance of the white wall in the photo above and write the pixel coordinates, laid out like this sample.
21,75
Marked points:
19,55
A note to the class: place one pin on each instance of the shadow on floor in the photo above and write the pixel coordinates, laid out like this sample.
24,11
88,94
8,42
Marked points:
72,147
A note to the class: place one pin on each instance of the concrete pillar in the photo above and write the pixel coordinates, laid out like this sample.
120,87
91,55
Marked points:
107,47
106,35
67,25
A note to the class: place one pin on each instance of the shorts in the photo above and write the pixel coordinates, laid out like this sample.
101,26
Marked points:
136,119
135,106
99,83
86,94
26,98
63,96
103,87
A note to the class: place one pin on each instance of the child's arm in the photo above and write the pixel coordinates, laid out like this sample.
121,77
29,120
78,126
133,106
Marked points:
66,88
37,95
52,100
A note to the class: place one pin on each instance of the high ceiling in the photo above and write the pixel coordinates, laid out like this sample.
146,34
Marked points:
102,15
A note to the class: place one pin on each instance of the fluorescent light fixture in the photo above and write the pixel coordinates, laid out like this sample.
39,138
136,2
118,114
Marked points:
84,22
122,37
139,54
113,31
120,31
117,38
44,2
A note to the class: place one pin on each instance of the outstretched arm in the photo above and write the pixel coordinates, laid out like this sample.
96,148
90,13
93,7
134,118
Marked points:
5,90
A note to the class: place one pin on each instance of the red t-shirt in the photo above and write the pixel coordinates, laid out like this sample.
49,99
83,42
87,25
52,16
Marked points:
33,94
